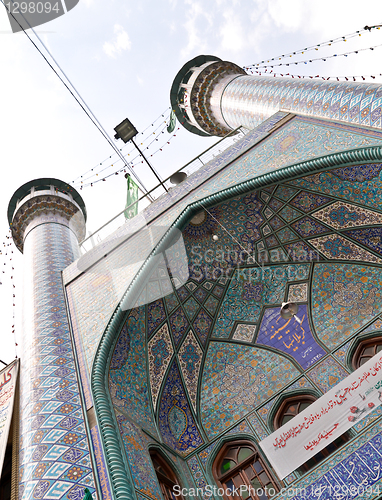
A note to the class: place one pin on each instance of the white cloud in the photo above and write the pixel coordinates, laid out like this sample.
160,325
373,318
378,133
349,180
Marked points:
195,26
121,41
232,32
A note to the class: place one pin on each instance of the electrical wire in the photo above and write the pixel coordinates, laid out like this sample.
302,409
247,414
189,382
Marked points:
82,104
315,47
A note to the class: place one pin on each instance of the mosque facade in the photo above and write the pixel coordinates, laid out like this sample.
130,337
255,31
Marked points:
154,365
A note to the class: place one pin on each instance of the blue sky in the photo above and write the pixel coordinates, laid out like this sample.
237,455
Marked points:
122,58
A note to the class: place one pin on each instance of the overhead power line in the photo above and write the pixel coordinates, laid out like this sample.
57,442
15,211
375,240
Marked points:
74,93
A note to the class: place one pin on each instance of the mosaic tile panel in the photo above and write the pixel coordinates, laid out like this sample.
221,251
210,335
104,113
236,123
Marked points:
128,384
141,467
54,452
334,246
202,325
190,359
178,325
290,336
341,215
176,424
370,237
298,293
356,464
344,298
101,465
191,307
289,214
199,477
244,332
159,352
171,302
203,455
341,353
211,304
257,427
363,186
327,374
275,204
242,428
265,409
155,315
309,201
249,290
236,378
286,235
276,223
302,252
271,241
92,298
309,227
285,192
376,325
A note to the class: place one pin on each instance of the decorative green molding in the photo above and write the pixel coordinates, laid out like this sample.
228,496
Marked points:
119,475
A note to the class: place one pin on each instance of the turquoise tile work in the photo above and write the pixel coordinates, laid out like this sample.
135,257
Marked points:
128,383
327,374
141,467
237,378
54,451
344,298
94,295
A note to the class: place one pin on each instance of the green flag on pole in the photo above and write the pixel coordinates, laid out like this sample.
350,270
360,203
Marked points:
171,125
132,198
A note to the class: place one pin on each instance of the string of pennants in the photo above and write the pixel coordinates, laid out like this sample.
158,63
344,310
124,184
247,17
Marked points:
328,43
143,137
307,61
338,78
133,162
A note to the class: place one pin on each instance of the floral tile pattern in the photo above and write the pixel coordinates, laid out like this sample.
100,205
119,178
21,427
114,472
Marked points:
241,377
369,237
284,192
141,467
176,424
309,227
334,246
178,325
244,332
128,384
155,315
341,215
344,298
298,293
54,452
160,352
327,374
190,359
308,201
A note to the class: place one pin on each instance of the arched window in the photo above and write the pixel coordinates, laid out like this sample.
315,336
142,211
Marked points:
238,464
366,350
166,476
291,407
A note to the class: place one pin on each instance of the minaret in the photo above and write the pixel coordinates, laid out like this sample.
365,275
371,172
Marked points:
47,218
214,97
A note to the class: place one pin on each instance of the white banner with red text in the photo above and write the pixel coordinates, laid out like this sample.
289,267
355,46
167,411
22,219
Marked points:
8,378
326,419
